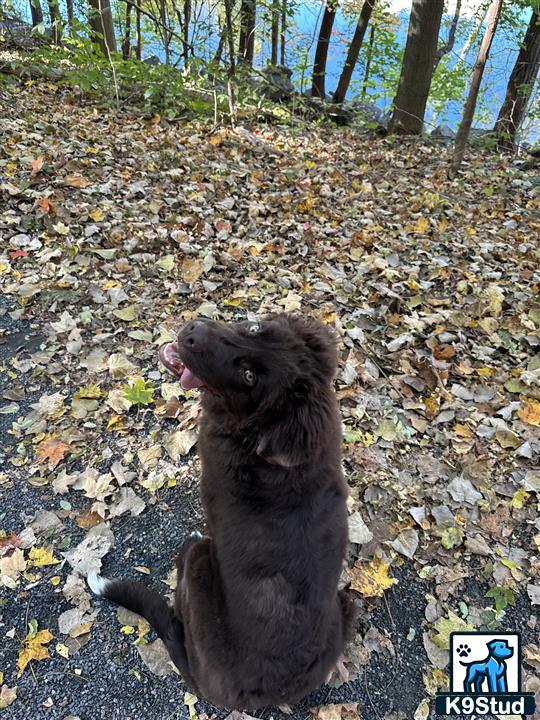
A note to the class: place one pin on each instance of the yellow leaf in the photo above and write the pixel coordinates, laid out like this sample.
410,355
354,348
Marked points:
39,557
81,629
422,225
34,649
127,629
55,580
166,262
96,215
414,285
305,205
77,181
142,569
462,430
431,405
445,626
485,372
529,411
62,650
372,579
519,499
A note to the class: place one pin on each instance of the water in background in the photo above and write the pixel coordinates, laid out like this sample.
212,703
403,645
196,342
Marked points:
303,32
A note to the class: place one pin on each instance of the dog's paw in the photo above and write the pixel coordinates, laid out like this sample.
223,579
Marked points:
463,650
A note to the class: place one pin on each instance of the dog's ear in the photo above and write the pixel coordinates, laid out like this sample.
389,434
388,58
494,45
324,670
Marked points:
289,440
320,341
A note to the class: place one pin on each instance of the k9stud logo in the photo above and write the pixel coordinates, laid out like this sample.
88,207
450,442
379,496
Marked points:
485,676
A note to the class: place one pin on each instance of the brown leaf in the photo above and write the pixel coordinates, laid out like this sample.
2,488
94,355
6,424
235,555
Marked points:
52,451
37,164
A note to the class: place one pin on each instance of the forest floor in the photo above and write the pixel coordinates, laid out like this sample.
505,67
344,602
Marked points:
114,230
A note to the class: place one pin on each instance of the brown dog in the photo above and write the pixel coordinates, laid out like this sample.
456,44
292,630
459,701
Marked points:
258,619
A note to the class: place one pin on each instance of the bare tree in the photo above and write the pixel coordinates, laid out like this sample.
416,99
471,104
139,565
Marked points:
354,51
520,85
478,72
138,34
126,42
246,47
448,46
56,21
283,31
69,12
275,32
318,81
417,67
37,12
229,7
369,57
186,24
101,22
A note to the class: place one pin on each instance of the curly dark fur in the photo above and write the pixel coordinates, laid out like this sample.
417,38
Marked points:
258,619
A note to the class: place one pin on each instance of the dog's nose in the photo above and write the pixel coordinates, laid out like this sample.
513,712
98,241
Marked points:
195,336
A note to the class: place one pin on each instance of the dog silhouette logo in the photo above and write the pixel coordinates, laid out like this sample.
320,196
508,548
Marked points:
492,669
485,676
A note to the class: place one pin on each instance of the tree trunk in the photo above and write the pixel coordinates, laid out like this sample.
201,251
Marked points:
101,22
187,21
417,67
126,42
37,12
246,48
56,21
275,32
229,6
369,57
354,50
138,34
162,29
482,12
216,60
283,31
520,86
470,103
318,81
449,44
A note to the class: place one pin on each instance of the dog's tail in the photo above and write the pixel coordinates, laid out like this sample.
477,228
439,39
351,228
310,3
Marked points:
152,607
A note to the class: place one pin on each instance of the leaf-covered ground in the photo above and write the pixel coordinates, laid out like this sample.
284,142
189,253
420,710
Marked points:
115,229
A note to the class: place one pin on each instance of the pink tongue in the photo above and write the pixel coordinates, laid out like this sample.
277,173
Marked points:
188,380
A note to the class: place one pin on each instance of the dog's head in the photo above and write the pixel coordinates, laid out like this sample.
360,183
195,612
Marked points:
269,374
500,649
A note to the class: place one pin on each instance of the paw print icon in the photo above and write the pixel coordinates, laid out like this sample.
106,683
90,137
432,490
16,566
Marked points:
463,650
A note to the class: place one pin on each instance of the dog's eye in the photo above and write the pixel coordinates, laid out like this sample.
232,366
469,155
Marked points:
254,328
250,377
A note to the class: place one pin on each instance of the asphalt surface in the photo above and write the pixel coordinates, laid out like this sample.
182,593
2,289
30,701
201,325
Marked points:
106,678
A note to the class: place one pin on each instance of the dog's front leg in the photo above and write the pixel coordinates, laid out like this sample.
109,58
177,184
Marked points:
501,683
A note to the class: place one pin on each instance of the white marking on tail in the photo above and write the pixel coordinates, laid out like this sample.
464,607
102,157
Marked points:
98,584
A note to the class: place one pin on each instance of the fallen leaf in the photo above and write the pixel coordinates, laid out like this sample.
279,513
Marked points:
7,696
529,412
446,625
156,658
52,451
371,579
33,648
40,557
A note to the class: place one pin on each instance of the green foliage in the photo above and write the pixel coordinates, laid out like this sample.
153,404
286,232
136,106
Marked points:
139,393
503,597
